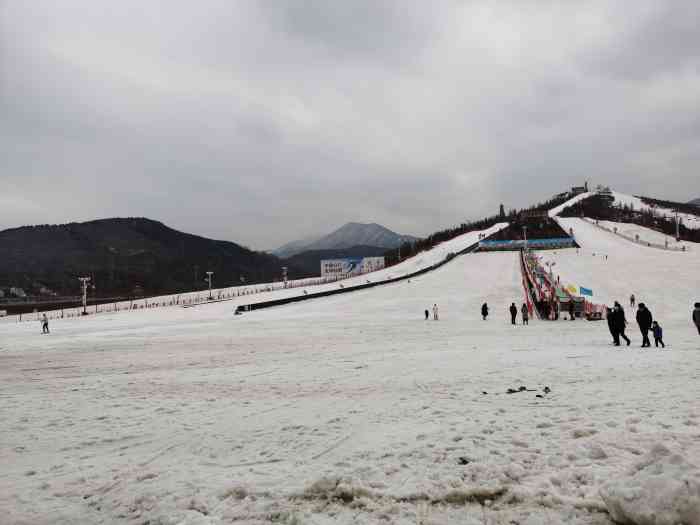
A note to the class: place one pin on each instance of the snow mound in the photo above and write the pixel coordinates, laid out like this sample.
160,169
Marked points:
662,489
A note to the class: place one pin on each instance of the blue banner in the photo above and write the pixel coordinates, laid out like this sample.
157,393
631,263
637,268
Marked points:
585,291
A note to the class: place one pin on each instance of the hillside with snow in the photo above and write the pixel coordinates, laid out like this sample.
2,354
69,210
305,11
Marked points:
354,409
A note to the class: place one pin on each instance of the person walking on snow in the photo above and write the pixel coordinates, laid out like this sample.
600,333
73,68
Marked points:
427,314
620,323
525,313
696,316
658,334
644,321
435,312
44,324
571,310
632,301
610,318
484,311
513,313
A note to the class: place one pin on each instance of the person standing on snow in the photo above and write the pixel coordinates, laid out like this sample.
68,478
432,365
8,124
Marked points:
610,318
525,313
427,314
632,301
658,334
620,323
44,324
644,321
696,316
484,311
513,313
571,310
435,312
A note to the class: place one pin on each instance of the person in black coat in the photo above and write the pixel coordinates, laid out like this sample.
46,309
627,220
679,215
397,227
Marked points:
610,318
620,322
696,316
513,313
644,320
571,310
484,311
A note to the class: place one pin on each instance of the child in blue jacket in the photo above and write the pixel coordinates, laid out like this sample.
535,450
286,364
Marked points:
658,334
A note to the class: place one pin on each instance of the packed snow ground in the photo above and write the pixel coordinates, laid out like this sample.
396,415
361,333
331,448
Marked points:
353,409
646,235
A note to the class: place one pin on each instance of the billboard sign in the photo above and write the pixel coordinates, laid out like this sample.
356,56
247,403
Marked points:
350,266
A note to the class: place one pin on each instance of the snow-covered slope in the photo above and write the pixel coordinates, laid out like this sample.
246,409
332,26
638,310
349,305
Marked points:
690,221
558,209
353,409
666,281
344,409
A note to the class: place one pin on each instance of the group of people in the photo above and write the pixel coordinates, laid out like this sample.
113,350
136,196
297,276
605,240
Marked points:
617,322
524,311
435,313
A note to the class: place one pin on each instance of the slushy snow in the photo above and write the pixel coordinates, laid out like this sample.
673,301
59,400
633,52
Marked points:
353,409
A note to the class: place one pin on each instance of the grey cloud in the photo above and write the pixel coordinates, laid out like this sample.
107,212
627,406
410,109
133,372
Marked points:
264,122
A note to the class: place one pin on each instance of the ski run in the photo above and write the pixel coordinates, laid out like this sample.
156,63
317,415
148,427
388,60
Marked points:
355,409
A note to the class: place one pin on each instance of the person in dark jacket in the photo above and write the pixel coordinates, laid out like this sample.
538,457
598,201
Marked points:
696,316
525,313
658,334
484,311
610,318
644,319
427,314
513,313
571,310
620,322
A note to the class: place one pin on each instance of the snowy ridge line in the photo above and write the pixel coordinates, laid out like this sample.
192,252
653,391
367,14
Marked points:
554,212
640,242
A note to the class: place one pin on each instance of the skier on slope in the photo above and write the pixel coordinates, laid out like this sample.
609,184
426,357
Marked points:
644,319
525,313
620,323
484,311
44,324
435,312
513,313
696,316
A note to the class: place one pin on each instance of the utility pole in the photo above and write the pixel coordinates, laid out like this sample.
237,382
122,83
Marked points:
678,228
209,274
84,281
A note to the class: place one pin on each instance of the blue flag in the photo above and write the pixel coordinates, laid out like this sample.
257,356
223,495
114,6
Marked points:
585,291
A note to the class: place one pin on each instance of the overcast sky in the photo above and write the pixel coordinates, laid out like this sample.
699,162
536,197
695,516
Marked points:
265,121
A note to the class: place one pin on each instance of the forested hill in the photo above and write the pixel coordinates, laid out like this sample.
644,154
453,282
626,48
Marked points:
121,254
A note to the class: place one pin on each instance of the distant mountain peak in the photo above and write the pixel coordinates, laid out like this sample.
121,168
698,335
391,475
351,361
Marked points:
347,236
